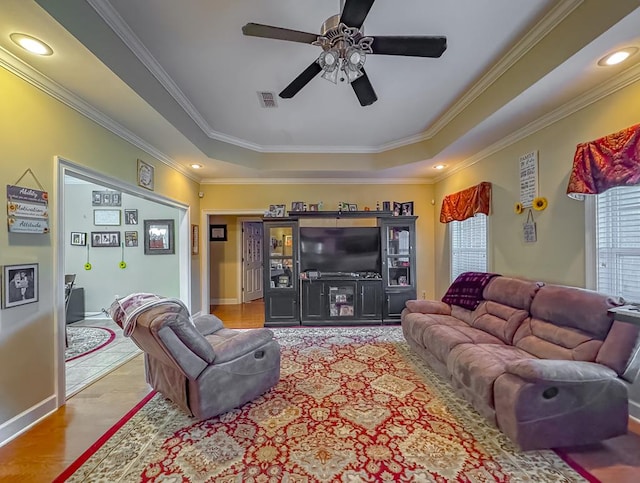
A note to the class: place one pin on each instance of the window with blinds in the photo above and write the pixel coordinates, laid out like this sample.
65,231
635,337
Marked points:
618,242
468,245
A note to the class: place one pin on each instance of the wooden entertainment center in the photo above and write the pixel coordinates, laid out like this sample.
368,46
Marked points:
373,287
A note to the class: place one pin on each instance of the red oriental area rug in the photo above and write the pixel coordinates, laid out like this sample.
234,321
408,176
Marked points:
352,405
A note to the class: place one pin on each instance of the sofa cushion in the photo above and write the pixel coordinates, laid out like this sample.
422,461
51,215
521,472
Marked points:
475,367
441,339
428,307
466,290
574,307
499,320
513,292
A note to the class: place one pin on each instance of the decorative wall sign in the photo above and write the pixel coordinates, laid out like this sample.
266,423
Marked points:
27,209
20,284
145,175
529,229
528,178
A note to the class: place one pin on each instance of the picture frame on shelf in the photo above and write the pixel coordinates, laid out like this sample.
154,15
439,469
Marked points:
407,208
105,239
386,206
130,239
159,237
313,207
20,285
106,217
279,211
353,207
397,208
146,175
297,206
130,217
217,232
78,238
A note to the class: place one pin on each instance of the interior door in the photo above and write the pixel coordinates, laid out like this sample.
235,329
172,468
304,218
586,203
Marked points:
251,261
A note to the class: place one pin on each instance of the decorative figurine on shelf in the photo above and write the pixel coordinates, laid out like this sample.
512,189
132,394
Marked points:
377,206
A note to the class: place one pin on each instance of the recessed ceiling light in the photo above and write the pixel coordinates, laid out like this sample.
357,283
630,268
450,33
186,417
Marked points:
196,166
440,166
31,44
617,56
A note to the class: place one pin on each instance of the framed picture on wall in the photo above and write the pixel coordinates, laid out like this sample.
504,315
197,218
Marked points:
217,232
195,239
130,238
159,237
106,217
78,238
20,285
101,239
145,175
130,217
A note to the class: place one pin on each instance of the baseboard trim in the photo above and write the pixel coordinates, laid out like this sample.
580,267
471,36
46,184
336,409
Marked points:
223,302
25,420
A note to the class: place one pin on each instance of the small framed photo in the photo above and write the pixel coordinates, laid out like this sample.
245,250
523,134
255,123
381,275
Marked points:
106,217
130,238
217,232
386,206
78,238
195,239
116,198
353,207
313,207
297,206
145,175
130,217
102,239
407,208
96,198
20,285
159,237
278,210
397,208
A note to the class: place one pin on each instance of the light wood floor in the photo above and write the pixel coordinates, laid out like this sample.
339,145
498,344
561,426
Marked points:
44,451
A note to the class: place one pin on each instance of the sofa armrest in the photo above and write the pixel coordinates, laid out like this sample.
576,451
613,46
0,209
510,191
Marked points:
241,344
560,371
207,324
428,307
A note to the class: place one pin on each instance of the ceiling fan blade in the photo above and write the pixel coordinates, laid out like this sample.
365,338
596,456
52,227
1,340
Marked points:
417,46
271,32
302,80
355,11
364,90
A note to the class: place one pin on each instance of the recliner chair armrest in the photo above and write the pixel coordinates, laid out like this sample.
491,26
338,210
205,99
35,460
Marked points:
560,371
207,324
241,344
428,307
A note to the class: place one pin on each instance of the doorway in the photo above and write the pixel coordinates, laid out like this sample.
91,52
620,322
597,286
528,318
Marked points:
252,256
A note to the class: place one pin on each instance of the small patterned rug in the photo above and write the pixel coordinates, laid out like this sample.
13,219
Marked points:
352,405
85,340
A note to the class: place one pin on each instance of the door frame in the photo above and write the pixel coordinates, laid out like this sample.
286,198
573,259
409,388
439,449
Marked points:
183,249
205,279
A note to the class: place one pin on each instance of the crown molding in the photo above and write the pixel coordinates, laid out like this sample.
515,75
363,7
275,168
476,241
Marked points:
550,21
620,81
27,73
332,181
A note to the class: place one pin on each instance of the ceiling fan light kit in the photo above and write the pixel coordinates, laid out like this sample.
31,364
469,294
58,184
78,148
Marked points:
345,49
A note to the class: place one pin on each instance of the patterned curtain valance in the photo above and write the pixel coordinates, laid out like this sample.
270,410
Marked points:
610,161
466,203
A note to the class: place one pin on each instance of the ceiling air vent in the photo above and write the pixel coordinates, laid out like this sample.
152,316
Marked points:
267,99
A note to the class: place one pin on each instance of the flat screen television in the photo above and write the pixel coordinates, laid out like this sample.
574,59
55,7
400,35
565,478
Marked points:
346,249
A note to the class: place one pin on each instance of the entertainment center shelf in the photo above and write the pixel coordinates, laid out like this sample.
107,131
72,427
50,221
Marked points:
325,275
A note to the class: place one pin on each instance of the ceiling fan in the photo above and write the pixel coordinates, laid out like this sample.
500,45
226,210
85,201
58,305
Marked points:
345,47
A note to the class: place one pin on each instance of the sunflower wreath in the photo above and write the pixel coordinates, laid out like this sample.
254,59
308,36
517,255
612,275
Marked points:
518,208
540,203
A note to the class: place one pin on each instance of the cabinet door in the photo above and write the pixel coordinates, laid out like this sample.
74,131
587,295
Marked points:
342,299
280,309
313,306
370,299
395,302
399,255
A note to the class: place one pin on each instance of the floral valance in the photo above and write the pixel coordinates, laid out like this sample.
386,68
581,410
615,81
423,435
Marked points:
466,203
610,161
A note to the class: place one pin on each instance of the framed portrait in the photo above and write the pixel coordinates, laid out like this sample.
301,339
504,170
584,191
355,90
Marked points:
297,206
313,207
397,208
78,238
130,217
159,237
353,207
195,239
101,239
96,198
130,238
217,232
145,175
116,198
20,285
407,208
106,217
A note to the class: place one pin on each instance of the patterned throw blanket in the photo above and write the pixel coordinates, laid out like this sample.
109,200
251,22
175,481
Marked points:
126,310
466,290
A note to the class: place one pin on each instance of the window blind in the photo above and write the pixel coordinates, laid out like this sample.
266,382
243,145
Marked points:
468,245
618,242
